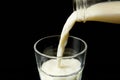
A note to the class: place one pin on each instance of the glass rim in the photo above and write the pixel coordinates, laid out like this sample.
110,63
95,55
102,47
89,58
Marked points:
54,57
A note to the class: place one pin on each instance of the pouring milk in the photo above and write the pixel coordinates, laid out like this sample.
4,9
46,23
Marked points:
103,12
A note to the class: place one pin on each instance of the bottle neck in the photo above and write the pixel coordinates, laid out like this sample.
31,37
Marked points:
80,6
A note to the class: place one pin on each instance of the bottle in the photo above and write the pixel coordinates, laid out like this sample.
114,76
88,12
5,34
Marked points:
97,10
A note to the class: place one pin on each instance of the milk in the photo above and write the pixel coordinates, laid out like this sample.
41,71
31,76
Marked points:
68,67
64,35
105,12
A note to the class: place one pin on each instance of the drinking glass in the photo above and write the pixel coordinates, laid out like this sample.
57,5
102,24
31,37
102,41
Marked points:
46,50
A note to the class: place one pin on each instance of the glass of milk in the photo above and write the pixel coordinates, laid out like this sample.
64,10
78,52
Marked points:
71,63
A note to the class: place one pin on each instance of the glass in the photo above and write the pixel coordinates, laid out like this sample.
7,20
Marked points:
46,50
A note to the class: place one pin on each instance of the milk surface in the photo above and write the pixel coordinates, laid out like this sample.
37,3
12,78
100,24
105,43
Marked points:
68,67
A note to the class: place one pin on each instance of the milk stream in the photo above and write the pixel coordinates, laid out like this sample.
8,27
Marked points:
104,12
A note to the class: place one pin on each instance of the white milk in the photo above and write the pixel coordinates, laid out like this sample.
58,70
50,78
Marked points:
105,12
68,67
64,35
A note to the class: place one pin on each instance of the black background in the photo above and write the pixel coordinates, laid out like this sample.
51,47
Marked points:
24,22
